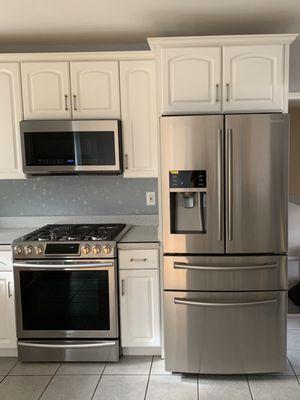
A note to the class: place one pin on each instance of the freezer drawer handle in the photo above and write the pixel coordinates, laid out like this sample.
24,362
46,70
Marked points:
220,268
223,304
67,346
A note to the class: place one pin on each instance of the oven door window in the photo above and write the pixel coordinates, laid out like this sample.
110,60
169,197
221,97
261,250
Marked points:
65,300
70,148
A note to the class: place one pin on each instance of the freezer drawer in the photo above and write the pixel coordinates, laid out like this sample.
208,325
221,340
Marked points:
225,333
225,273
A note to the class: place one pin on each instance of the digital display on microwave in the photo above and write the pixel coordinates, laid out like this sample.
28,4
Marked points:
62,249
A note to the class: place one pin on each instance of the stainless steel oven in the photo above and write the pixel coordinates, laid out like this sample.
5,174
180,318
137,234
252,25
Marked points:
67,310
62,147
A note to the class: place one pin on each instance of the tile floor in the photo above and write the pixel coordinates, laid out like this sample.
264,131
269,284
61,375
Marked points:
144,378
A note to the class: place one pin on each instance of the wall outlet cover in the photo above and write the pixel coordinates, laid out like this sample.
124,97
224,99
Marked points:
150,198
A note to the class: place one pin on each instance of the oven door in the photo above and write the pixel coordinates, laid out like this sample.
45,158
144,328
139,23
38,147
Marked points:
66,299
53,147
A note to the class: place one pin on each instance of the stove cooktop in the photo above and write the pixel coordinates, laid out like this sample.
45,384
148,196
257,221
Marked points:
70,240
74,232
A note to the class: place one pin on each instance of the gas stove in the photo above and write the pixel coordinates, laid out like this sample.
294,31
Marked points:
70,241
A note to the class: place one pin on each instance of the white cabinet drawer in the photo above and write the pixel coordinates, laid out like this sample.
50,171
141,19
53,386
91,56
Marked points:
138,259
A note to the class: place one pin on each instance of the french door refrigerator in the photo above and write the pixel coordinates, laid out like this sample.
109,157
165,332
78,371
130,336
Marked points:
224,200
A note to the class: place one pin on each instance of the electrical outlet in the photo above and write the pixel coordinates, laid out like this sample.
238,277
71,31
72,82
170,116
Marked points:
150,198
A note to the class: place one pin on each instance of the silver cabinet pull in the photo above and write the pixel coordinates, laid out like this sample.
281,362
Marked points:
138,259
217,93
126,161
75,102
227,91
220,182
123,287
229,185
66,103
9,289
223,304
221,268
67,346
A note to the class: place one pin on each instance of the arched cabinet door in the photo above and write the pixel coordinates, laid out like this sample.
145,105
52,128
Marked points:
46,90
95,89
10,117
253,78
139,118
191,79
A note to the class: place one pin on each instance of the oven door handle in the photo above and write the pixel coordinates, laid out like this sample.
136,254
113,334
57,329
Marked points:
67,346
62,266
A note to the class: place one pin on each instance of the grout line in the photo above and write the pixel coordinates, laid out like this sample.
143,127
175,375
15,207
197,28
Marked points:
149,375
45,387
59,365
291,365
98,382
249,386
9,371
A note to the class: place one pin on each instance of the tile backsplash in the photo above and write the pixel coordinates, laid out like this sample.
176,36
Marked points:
76,195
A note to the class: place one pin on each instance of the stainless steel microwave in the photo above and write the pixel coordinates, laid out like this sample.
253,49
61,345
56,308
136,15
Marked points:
66,147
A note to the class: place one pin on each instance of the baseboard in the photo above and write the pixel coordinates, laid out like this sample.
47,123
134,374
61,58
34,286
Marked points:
141,351
8,352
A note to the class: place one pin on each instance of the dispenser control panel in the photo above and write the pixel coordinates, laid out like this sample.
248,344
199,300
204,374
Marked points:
187,179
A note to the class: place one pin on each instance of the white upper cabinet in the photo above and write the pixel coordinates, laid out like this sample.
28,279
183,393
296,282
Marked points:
139,118
252,72
46,90
253,78
10,117
95,89
191,79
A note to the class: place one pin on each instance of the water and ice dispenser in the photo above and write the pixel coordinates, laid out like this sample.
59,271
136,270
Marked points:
188,192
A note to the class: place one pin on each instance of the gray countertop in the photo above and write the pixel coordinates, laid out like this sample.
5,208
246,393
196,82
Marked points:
7,235
140,234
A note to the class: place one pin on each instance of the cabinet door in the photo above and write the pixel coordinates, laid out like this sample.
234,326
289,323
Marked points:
139,118
253,78
191,79
139,301
10,117
7,311
95,89
46,90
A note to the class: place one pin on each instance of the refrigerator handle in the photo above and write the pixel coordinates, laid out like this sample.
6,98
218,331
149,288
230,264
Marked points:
220,183
229,184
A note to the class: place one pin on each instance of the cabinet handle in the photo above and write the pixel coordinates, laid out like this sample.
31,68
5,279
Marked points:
66,102
227,91
126,161
138,259
75,102
9,289
217,93
123,287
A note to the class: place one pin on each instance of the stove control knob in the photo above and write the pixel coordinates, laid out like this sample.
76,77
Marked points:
18,250
38,250
96,249
106,248
28,250
85,249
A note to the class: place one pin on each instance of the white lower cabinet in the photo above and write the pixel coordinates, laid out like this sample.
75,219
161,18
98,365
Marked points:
7,311
139,307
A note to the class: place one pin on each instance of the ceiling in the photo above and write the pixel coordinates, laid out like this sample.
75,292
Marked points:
96,22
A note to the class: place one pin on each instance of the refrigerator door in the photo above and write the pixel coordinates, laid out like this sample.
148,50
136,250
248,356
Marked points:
225,332
257,150
192,184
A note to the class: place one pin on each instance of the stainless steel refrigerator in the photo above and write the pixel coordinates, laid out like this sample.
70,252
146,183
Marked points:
224,199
